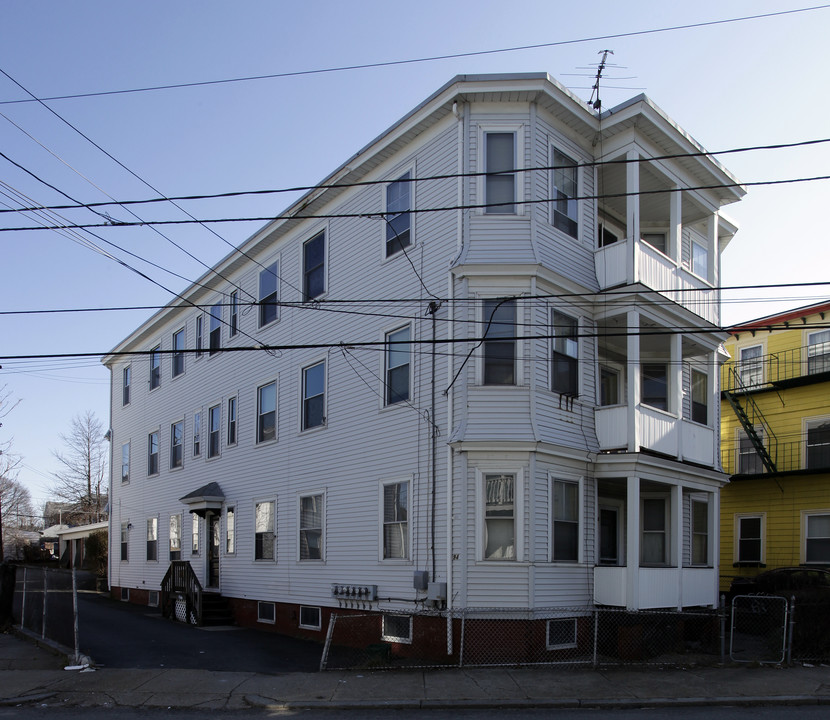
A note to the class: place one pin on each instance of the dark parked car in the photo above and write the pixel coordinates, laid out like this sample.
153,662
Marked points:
785,581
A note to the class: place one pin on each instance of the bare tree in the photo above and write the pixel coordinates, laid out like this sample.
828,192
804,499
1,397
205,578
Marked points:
9,463
83,470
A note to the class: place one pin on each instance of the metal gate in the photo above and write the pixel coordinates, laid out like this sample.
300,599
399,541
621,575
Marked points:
758,630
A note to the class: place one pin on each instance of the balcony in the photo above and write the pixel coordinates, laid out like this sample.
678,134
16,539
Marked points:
790,368
811,453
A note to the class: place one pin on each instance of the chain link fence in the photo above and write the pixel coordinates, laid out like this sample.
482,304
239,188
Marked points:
758,630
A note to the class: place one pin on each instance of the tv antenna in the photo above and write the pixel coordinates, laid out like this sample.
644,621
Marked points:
597,104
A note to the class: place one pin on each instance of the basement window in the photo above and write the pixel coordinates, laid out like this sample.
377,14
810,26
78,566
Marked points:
397,628
310,617
266,612
561,633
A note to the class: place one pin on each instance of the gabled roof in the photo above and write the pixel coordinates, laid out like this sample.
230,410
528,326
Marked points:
799,313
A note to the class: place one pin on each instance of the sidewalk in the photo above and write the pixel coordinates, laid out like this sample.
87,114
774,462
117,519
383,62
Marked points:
33,674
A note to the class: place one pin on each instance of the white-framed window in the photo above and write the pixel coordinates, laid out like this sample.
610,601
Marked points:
125,541
311,525
817,432
152,539
700,260
499,349
815,534
125,594
500,515
197,434
314,266
200,334
264,530
152,598
214,430
395,520
268,293
565,354
310,617
266,418
175,537
657,240
232,420
654,526
609,385
654,385
177,444
314,396
751,365
566,532
153,453
178,352
818,352
398,218
194,534
215,336
565,191
230,530
266,612
749,461
126,381
750,538
700,397
125,462
700,532
398,353
396,628
561,633
500,155
233,320
155,367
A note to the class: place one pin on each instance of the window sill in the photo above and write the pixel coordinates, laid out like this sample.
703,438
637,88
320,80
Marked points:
747,564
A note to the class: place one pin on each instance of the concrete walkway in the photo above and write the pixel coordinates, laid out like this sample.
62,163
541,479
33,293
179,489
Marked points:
33,674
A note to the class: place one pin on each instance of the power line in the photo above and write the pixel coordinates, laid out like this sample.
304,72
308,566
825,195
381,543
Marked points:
411,61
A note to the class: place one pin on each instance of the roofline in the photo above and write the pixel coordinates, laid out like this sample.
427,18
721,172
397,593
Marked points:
786,316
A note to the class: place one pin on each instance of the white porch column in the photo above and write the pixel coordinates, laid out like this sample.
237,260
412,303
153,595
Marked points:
632,396
713,542
632,212
676,539
632,544
675,224
713,415
676,386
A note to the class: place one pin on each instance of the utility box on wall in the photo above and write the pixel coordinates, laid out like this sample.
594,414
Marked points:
437,591
420,580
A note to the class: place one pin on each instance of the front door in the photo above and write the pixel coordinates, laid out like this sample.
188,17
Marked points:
213,551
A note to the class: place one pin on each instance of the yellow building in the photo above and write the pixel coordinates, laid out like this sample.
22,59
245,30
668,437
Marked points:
775,443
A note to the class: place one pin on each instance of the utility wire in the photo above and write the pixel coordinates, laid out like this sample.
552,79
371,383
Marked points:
433,58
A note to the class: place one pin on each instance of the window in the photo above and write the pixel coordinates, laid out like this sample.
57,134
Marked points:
499,517
565,373
155,367
153,453
125,594
700,397
750,366
176,444
266,423
396,628
311,527
125,462
152,539
215,338
818,352
230,530
314,395
565,192
816,537
314,267
125,540
655,385
232,421
818,444
700,260
396,521
152,598
654,525
499,347
125,387
175,537
268,294
749,461
234,328
214,417
398,218
266,612
197,434
397,366
199,335
500,157
194,534
310,617
178,352
561,634
264,531
700,532
565,521
750,536
609,386
657,240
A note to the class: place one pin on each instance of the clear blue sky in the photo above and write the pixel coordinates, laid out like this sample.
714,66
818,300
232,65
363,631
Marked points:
757,82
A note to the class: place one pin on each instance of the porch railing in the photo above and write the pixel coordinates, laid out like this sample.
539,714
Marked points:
181,593
807,453
801,364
